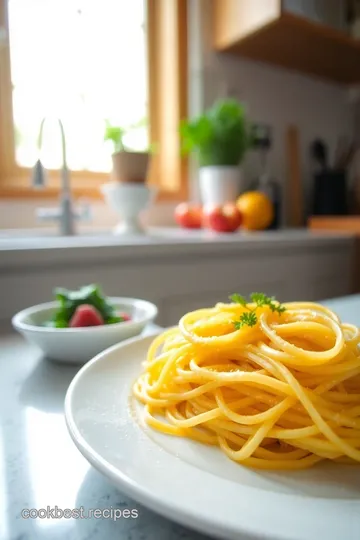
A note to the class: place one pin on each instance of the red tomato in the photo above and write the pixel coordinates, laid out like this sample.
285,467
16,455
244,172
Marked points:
226,218
188,216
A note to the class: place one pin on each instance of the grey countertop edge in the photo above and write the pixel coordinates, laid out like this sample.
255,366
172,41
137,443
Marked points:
113,249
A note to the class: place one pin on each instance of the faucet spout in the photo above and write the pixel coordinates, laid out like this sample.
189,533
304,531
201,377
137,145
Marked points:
65,214
65,181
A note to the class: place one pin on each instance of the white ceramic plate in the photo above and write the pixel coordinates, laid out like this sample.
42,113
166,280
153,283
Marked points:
195,484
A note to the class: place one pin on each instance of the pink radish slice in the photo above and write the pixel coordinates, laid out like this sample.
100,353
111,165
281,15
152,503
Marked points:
86,315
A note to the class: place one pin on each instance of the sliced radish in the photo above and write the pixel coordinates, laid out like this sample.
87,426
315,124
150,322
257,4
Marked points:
124,316
86,315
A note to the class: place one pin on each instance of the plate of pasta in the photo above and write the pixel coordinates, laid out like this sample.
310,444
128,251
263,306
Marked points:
243,421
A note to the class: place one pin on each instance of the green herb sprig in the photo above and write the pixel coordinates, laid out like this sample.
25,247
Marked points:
249,318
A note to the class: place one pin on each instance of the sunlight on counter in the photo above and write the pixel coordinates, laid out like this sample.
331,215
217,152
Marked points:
50,480
3,490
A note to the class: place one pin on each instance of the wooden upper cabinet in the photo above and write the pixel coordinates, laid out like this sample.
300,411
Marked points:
273,31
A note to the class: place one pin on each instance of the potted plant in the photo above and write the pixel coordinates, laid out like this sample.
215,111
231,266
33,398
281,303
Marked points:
220,138
128,166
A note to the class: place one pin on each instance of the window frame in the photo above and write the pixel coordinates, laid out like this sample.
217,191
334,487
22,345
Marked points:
167,61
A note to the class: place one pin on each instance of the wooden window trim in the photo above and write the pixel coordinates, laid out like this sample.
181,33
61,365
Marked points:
168,83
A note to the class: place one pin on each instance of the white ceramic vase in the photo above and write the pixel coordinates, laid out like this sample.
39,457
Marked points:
128,200
219,184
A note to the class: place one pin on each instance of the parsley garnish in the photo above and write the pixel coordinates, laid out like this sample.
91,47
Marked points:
261,299
246,319
250,318
238,299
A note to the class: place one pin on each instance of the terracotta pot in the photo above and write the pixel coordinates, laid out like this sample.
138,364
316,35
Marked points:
130,167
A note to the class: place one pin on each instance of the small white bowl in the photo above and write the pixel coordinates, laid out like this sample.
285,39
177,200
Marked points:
78,345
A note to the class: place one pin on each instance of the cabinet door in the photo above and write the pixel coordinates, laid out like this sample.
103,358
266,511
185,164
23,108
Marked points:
328,12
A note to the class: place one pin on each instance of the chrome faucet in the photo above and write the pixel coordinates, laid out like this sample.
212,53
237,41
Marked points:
64,214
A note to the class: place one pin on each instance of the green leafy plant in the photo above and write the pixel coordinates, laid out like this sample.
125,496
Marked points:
220,136
115,134
249,318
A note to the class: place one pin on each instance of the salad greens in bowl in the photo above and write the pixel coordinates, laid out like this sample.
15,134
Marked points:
80,324
84,307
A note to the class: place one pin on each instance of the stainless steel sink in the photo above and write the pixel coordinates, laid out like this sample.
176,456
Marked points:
46,232
45,238
50,238
33,238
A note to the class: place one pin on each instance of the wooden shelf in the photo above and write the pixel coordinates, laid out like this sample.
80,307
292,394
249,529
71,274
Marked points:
350,224
286,40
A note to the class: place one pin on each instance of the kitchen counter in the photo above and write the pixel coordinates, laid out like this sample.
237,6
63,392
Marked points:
345,224
52,249
179,270
40,466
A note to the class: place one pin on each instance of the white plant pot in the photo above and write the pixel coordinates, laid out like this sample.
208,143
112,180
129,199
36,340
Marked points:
219,184
128,200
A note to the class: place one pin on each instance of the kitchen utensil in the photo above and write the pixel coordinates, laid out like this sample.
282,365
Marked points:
330,193
262,141
344,153
319,154
296,196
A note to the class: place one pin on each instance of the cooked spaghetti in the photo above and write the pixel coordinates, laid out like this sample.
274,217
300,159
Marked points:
274,386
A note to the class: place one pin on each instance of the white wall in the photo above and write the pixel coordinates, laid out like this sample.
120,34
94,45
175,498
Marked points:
273,95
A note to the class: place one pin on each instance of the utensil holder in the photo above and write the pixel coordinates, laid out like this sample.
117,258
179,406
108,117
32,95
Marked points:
330,195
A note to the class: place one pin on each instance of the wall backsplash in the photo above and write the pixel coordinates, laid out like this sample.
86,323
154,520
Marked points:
279,98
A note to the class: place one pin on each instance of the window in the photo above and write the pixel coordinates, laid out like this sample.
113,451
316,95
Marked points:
68,62
88,62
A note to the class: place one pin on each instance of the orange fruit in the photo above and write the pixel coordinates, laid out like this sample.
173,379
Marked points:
257,210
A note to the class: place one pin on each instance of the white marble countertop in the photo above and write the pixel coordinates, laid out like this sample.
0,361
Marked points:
40,466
